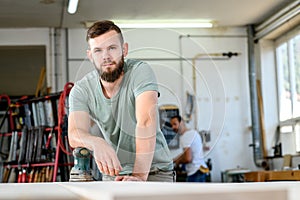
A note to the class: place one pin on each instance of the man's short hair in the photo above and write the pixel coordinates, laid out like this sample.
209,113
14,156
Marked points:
178,117
101,27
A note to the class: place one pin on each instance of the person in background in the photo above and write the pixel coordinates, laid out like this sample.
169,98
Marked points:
192,155
120,96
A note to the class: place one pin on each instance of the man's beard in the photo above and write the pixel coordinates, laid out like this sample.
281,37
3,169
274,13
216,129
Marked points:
114,74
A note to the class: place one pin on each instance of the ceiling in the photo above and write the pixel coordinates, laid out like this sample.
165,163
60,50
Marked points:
53,13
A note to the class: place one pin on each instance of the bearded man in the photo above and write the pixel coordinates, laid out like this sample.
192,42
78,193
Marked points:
120,96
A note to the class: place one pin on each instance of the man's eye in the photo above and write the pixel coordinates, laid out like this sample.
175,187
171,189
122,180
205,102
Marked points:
112,48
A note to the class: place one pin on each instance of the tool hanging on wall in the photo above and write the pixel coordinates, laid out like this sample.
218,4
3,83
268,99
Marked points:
189,108
8,113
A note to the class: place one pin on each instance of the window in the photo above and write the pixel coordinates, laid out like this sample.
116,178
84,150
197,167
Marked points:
288,73
295,45
284,83
288,76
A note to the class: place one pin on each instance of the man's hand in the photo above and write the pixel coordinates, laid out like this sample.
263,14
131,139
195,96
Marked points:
79,136
128,178
106,158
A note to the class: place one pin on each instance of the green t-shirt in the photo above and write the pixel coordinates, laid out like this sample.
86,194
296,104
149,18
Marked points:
116,116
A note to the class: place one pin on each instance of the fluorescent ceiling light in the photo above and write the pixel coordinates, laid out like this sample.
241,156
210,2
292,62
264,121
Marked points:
165,25
72,7
160,24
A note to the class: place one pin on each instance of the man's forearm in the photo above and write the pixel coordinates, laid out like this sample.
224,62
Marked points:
79,138
145,146
79,124
180,159
145,133
185,157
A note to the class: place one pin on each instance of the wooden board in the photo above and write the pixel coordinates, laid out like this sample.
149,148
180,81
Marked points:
151,190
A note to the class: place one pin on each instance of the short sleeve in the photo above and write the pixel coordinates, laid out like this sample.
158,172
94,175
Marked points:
78,99
144,79
187,139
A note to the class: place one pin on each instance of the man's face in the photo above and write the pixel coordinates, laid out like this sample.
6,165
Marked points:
107,54
175,125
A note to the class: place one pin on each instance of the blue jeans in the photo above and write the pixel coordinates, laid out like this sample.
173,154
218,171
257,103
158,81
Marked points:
198,176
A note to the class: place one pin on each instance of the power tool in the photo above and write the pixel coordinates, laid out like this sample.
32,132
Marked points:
81,171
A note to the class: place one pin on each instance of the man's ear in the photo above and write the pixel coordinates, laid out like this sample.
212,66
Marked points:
125,49
89,54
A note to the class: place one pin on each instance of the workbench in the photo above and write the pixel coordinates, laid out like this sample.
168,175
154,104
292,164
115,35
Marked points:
151,190
262,176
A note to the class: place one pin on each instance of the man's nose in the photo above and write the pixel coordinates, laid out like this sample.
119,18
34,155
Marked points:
105,53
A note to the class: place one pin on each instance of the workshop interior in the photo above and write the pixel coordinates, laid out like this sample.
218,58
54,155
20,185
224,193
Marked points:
231,69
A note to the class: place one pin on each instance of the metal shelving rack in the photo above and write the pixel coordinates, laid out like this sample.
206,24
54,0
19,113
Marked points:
60,147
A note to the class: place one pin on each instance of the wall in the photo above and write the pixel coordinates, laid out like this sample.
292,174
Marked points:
28,37
221,83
